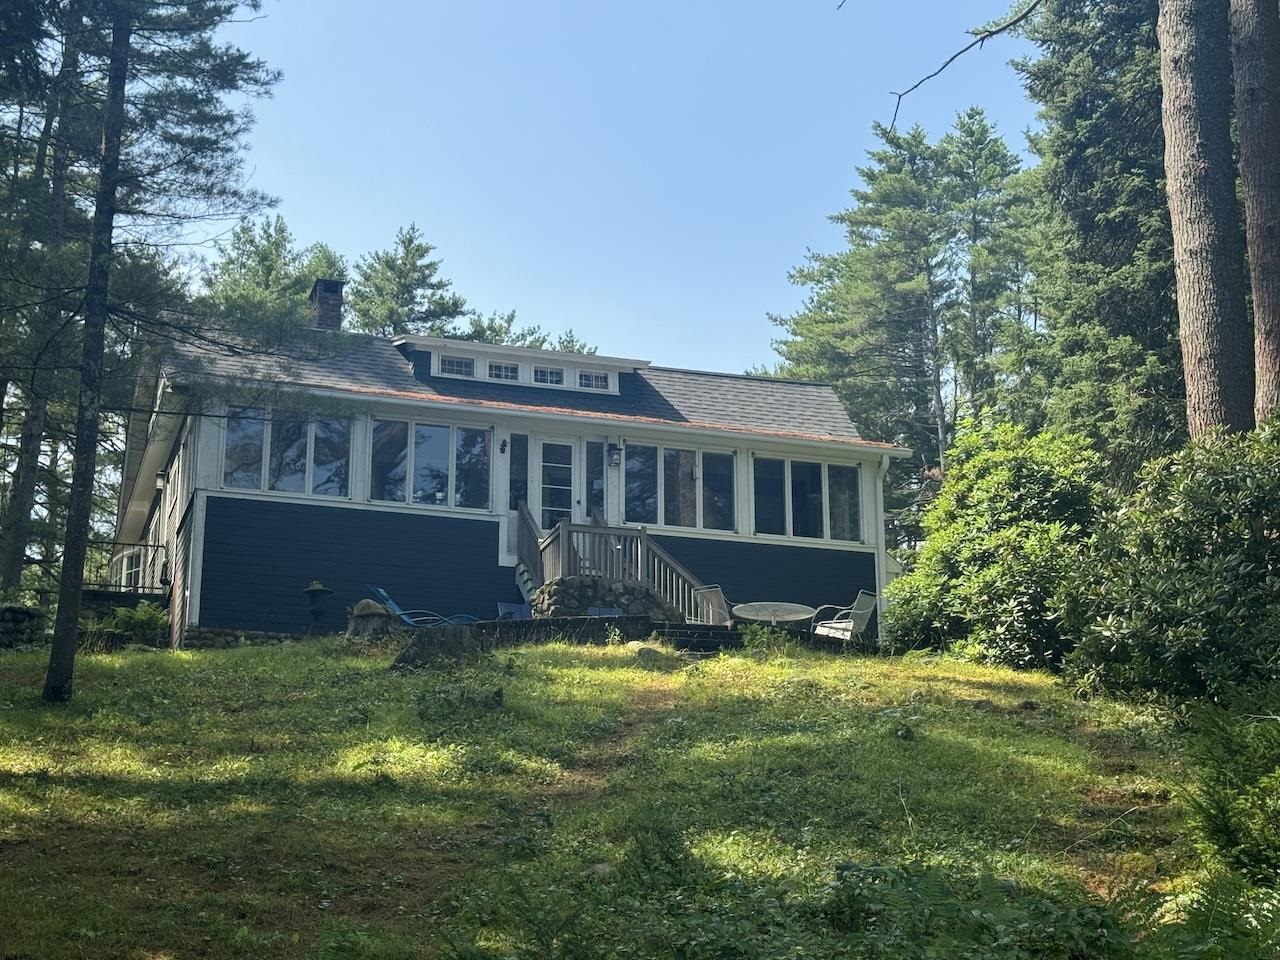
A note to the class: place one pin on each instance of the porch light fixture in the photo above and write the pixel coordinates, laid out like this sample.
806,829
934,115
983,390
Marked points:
161,477
502,447
615,455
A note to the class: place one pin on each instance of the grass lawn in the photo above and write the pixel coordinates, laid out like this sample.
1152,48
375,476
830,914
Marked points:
302,801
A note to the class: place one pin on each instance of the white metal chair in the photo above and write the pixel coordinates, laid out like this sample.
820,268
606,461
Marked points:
848,622
713,608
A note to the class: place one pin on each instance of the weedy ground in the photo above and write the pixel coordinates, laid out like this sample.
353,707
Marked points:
303,801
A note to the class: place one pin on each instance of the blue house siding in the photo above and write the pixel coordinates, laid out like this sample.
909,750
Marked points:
751,570
260,554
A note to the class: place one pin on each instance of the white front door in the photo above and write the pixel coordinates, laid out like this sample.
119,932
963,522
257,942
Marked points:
557,482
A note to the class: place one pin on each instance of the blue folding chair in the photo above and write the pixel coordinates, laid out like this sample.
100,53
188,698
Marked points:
412,618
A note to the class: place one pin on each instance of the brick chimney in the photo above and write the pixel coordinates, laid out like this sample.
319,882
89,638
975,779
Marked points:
327,297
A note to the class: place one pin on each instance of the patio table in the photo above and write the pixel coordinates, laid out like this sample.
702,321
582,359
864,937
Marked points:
773,611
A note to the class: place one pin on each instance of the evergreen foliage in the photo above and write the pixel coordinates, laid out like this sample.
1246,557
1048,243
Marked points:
1179,595
1235,796
1002,536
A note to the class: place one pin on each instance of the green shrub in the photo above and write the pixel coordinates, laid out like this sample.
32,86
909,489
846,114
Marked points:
146,623
1002,535
1235,793
1180,594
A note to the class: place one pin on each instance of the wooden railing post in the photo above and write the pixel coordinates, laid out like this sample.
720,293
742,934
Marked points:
643,572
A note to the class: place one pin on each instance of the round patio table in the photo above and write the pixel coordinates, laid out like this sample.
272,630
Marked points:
773,611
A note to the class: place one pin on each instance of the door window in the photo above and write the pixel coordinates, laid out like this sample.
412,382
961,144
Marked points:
557,483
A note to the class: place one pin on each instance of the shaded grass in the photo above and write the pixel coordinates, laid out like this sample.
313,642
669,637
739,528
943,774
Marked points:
302,801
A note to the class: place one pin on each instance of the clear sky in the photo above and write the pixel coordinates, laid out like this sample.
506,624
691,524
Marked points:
645,173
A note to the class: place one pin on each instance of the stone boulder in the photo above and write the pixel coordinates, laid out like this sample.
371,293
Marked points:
575,596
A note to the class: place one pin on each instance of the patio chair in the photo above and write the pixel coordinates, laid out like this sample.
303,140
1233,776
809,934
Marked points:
515,611
604,611
846,622
412,618
713,608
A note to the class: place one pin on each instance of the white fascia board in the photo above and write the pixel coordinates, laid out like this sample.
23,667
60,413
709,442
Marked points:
163,428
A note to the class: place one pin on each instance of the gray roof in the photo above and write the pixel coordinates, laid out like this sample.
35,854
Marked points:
374,367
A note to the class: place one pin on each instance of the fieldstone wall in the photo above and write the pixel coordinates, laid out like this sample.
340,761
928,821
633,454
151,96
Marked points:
20,625
574,596
212,638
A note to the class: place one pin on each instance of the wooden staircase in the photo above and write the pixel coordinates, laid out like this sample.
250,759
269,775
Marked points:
618,553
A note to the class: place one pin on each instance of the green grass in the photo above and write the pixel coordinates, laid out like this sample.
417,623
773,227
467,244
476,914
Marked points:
302,801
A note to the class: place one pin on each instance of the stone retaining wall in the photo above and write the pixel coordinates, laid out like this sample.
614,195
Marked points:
212,638
575,596
20,625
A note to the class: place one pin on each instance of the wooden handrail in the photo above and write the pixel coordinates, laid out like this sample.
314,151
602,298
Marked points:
619,553
529,545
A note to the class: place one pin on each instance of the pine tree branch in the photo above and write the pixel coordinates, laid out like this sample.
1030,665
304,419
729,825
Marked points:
981,37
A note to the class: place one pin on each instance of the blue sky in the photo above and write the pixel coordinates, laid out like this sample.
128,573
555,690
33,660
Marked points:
644,173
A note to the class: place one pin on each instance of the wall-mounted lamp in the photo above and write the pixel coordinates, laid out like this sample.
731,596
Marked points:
615,455
502,447
161,477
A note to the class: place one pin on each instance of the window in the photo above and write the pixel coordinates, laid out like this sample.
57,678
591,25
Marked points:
554,376
770,495
806,499
518,470
420,470
595,480
641,484
717,492
133,569
504,371
330,456
242,463
680,488
389,460
430,464
458,366
590,380
845,511
471,468
287,465
301,456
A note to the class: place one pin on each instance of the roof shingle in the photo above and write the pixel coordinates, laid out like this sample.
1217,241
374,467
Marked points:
370,366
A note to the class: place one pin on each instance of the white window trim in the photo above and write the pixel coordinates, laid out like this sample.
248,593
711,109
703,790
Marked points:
698,474
411,454
264,479
549,370
461,357
509,364
588,372
790,537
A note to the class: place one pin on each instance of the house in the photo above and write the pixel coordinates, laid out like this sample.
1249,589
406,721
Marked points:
458,475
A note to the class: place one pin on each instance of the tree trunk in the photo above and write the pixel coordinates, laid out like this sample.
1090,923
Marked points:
1255,60
1208,247
22,492
58,682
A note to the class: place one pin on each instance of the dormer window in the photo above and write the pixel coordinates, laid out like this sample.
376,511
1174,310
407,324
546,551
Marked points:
551,376
458,366
590,380
504,371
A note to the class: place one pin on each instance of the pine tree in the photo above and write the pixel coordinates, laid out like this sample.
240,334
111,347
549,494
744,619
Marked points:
1208,246
400,290
977,168
172,121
